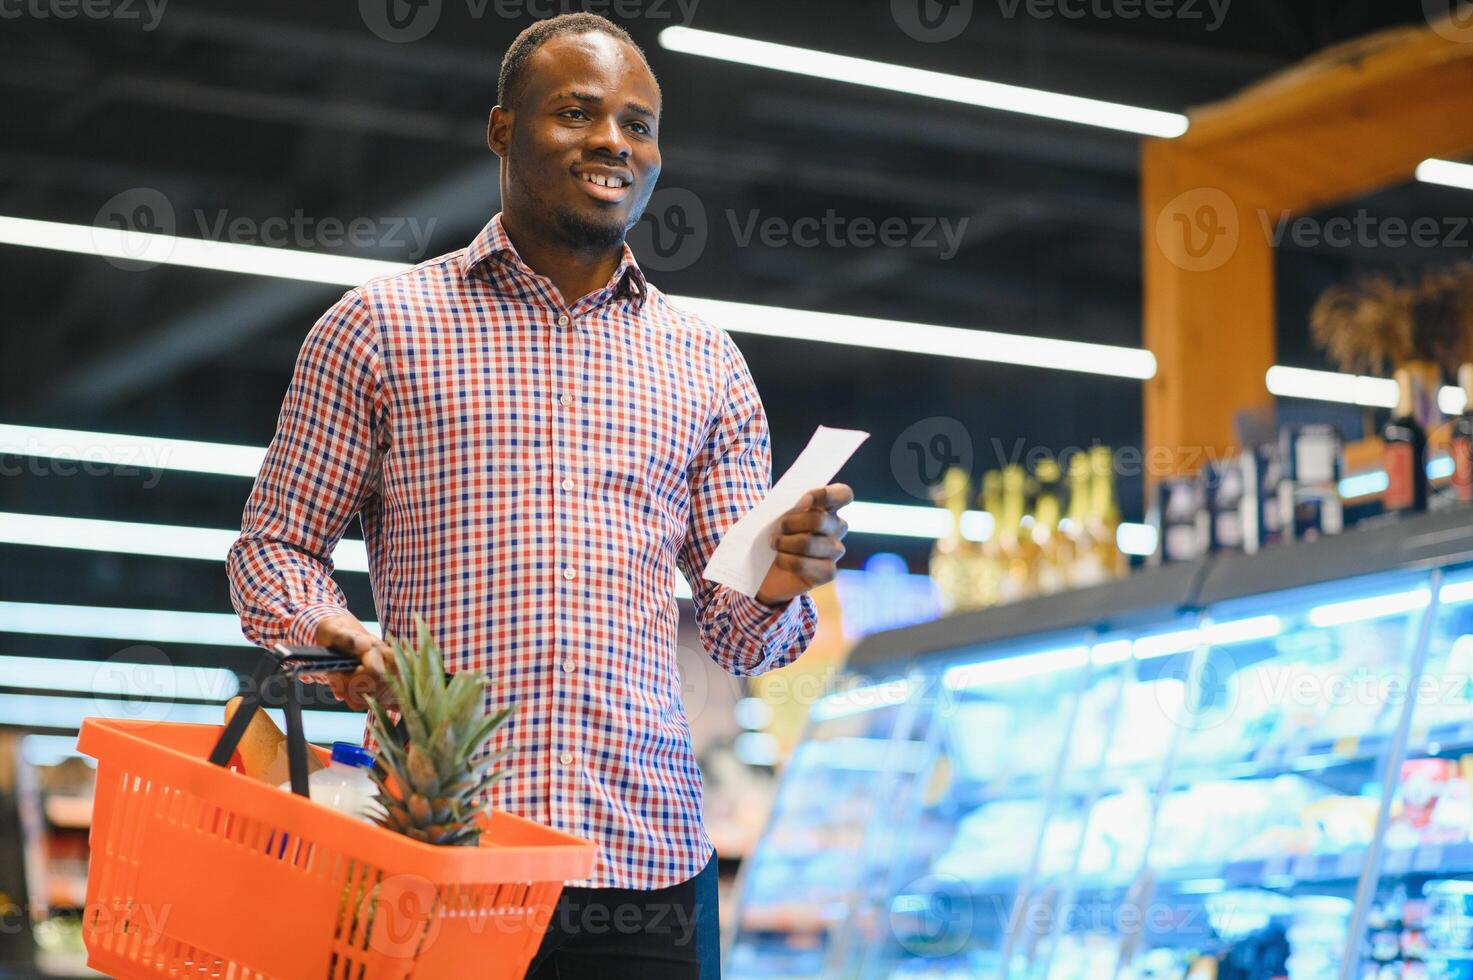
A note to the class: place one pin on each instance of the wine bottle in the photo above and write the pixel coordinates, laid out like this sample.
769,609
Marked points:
952,557
1105,513
992,563
1405,453
1082,566
1017,544
1462,439
1049,567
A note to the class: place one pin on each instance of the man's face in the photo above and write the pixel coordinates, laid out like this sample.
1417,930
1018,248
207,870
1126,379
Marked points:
582,155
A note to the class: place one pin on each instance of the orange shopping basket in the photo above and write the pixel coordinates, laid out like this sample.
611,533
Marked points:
198,870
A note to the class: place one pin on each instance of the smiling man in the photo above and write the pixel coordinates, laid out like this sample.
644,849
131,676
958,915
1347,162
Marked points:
535,441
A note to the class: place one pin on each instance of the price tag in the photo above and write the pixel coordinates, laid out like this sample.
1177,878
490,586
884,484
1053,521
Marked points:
1347,746
1428,857
1397,861
1350,863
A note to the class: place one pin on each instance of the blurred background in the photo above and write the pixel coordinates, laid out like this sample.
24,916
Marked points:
140,376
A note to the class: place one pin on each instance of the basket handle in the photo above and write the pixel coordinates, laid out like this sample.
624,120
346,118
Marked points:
273,684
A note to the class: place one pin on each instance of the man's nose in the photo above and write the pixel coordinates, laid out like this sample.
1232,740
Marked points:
607,135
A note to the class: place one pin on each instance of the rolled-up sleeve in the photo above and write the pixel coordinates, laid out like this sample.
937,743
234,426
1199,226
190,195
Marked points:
728,477
319,470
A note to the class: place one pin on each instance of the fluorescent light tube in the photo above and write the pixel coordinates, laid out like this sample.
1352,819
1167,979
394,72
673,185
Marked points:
1349,389
924,338
1446,172
861,699
1456,593
1018,667
1375,607
196,253
1245,630
772,321
1110,652
929,84
1165,644
108,623
113,678
141,452
41,711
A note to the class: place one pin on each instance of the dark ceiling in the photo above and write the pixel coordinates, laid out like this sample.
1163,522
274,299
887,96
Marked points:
274,108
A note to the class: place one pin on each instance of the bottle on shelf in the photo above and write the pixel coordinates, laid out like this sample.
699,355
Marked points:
1050,568
991,562
1077,547
953,557
1462,440
1405,453
1018,549
1104,522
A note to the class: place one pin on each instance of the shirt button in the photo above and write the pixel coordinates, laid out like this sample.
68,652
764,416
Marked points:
568,666
565,400
566,758
569,574
567,483
562,321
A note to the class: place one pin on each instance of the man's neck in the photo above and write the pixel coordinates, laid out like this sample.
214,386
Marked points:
574,273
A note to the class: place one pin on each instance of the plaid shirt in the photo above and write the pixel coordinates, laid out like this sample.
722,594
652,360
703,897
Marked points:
529,476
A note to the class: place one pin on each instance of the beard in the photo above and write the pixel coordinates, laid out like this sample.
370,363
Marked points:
584,234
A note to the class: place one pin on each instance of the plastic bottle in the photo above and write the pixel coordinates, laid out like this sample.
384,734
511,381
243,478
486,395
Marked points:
345,785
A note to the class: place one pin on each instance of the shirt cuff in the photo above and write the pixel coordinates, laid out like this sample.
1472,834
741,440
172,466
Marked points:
760,622
303,629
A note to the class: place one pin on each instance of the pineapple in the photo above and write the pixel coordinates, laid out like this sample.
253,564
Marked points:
428,787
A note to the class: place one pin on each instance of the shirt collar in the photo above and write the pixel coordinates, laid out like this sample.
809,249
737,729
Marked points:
492,244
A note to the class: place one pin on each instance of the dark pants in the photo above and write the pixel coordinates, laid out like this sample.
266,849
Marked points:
618,933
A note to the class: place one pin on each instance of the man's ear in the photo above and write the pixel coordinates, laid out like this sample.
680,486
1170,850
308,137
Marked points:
498,130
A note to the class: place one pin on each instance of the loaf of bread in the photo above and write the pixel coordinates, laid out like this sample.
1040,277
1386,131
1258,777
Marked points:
263,748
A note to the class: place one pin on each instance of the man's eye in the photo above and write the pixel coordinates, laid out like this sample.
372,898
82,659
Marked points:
579,113
640,128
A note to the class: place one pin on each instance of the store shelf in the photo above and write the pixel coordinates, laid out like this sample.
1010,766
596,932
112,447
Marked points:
1261,769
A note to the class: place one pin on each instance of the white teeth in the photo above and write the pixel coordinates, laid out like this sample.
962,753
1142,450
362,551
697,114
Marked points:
603,181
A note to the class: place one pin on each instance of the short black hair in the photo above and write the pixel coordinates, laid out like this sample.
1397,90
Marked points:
514,62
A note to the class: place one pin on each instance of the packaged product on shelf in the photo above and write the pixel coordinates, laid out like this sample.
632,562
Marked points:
1317,935
1405,451
1220,523
1309,494
1180,526
1263,521
1418,814
1461,439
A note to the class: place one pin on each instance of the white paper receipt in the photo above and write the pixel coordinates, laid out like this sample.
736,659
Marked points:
745,553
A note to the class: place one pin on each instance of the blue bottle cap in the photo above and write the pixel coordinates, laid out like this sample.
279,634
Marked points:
352,754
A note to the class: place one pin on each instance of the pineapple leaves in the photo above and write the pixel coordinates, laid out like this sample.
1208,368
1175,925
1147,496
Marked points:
432,786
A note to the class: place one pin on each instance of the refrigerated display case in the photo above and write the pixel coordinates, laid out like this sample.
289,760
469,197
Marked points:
1249,766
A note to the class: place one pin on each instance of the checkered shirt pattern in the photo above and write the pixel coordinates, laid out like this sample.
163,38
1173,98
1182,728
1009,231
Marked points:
529,476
